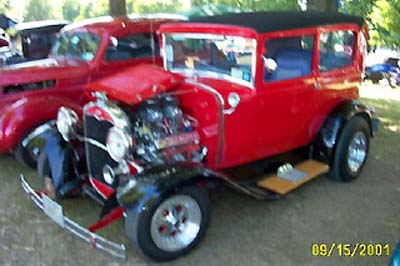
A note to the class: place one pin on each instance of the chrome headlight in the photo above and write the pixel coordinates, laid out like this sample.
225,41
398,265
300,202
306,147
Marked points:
67,120
118,143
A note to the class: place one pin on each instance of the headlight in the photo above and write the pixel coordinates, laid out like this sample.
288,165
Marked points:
118,143
66,122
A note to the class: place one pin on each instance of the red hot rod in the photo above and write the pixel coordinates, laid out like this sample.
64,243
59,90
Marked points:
280,87
31,93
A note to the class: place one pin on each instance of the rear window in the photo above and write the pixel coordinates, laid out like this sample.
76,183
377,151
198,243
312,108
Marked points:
336,50
133,46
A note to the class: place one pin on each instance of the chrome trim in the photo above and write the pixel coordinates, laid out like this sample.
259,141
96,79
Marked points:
94,240
93,142
118,116
357,151
37,131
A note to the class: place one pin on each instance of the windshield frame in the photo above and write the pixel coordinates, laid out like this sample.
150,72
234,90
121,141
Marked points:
187,72
83,32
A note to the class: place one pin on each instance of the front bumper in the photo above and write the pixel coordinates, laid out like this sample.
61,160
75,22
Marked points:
95,241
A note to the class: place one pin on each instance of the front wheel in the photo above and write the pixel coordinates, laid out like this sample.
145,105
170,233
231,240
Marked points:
171,227
351,150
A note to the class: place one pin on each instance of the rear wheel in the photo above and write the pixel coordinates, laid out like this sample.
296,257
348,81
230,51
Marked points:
351,150
172,227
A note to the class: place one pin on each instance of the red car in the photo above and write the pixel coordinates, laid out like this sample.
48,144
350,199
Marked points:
31,93
154,142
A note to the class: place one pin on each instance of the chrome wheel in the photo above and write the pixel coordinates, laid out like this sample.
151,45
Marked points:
357,151
176,223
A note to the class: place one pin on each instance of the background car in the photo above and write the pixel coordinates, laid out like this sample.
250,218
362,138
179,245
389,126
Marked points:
32,92
389,71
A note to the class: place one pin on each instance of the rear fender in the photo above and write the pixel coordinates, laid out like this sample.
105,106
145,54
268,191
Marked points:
333,125
140,193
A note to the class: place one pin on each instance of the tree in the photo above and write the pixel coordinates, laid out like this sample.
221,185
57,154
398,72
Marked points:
39,10
252,5
154,6
70,9
322,5
385,18
4,5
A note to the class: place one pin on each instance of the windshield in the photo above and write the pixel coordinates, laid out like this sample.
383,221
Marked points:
81,45
219,56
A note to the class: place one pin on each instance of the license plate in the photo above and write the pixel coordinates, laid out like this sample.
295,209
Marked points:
53,210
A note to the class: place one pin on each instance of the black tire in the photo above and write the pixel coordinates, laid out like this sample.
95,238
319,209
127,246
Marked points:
138,229
25,156
339,166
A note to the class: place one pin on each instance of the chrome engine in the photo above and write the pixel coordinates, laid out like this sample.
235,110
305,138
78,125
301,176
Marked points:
164,133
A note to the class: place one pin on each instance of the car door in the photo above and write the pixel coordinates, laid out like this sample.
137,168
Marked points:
339,71
286,94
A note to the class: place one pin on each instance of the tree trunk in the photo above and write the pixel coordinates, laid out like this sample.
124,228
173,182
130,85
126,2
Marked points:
117,8
322,5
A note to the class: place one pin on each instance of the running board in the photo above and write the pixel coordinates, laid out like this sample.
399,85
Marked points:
293,178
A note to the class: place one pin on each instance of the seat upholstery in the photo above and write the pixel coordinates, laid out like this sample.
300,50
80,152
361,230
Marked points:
291,64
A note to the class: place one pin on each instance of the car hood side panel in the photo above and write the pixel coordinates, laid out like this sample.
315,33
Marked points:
136,84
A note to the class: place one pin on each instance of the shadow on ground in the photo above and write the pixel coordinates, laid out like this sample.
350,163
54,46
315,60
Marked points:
243,231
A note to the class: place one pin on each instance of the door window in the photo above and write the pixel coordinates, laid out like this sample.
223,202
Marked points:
288,58
336,50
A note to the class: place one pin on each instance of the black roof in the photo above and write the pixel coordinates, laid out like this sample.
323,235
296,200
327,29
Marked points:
280,20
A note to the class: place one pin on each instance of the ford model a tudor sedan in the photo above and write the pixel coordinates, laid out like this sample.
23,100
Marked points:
277,88
31,93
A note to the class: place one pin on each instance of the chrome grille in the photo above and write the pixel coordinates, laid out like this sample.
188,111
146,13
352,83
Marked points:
97,157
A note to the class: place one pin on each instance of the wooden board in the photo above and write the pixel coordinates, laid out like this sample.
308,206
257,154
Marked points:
282,186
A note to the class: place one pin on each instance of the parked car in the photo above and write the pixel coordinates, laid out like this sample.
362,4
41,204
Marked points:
154,142
36,38
32,92
389,71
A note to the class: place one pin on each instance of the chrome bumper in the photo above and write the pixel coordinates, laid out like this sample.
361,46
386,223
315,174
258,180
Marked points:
94,240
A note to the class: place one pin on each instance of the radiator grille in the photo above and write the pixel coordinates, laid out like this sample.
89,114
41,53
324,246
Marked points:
97,157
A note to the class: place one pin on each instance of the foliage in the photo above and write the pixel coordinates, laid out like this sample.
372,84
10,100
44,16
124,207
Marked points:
255,5
385,30
70,9
4,5
154,6
39,10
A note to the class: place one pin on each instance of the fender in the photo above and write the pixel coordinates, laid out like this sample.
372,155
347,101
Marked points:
341,114
62,156
146,189
23,115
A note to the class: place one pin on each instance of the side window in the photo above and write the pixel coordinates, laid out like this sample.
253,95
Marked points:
336,50
288,58
132,46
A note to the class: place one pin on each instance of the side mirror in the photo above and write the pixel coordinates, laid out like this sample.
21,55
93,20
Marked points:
270,64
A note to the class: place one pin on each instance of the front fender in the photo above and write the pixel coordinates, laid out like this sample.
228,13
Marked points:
336,120
140,193
63,157
18,118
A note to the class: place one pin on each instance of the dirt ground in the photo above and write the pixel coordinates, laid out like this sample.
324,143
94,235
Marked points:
243,231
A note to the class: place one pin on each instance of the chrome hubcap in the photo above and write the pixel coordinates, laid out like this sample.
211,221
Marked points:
176,223
357,151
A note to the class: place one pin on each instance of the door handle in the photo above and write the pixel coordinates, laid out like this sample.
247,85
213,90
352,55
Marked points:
317,85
